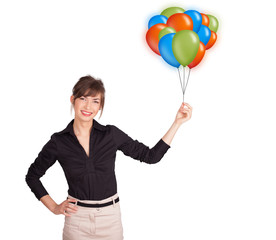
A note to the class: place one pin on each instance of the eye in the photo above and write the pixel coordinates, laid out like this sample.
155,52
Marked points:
83,98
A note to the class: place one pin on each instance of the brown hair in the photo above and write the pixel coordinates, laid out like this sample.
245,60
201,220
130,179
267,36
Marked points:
89,86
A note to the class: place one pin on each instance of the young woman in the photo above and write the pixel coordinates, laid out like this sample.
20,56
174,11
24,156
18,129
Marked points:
86,150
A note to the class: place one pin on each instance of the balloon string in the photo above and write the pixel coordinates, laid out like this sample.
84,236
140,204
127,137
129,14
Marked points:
189,70
180,80
183,81
183,85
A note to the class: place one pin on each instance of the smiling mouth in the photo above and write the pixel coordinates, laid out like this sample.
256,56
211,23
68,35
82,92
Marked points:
85,113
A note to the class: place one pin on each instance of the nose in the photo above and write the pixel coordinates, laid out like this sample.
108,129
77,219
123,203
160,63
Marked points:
87,105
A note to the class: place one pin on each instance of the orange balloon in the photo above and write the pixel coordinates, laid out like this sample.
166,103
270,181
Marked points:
180,21
152,36
212,40
205,20
199,56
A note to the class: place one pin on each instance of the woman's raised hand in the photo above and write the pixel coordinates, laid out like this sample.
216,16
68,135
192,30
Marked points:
184,113
66,207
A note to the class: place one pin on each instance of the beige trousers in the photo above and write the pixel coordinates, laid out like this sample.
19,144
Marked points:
94,223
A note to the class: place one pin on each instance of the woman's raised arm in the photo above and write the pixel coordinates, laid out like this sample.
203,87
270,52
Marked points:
183,114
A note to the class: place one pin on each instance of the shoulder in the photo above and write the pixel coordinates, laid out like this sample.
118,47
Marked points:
67,129
113,128
118,134
107,127
101,127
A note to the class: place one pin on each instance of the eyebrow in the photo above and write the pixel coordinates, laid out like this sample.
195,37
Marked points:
92,98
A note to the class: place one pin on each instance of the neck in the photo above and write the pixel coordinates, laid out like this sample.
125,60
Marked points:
82,128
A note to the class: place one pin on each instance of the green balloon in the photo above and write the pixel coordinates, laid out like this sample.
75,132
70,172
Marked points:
185,45
166,31
213,23
172,10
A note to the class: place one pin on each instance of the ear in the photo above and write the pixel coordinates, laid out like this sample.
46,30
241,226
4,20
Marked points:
72,99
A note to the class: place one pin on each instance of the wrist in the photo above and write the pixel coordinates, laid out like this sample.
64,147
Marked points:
53,208
176,124
49,203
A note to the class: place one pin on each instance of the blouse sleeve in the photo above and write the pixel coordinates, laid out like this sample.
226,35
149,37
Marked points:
45,159
138,150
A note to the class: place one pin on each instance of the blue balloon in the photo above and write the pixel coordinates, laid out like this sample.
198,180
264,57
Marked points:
165,49
197,19
204,34
157,19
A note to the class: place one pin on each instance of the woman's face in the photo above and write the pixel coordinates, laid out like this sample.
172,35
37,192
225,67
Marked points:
86,108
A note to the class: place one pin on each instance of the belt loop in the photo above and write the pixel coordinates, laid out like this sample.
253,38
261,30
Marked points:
113,202
76,201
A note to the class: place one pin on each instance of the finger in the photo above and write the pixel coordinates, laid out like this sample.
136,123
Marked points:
71,200
185,110
187,115
190,114
188,105
184,107
73,206
188,111
69,210
66,214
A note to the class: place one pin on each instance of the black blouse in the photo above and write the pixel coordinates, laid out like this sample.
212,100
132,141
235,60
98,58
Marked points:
89,177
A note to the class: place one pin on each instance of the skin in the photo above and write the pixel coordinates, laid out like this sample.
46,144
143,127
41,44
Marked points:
82,127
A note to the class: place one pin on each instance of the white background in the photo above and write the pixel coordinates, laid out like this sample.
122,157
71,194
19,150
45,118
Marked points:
217,181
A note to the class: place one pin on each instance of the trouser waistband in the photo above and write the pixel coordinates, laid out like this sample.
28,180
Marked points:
96,203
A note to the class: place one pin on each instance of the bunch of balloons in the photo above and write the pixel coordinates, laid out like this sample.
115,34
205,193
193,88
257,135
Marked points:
182,37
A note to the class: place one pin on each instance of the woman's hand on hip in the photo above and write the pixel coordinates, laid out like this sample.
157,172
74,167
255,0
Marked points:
66,207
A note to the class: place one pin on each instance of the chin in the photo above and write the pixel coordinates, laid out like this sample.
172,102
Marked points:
85,119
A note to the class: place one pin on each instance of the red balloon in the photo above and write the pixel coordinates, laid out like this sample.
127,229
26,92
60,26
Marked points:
180,21
199,56
205,20
212,40
152,36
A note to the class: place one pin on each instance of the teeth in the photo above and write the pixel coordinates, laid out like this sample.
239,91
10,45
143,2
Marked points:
86,113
